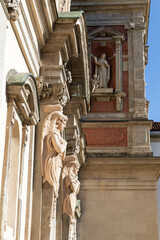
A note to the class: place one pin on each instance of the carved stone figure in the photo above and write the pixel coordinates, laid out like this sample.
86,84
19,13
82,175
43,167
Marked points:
95,82
53,148
13,8
39,81
102,70
71,186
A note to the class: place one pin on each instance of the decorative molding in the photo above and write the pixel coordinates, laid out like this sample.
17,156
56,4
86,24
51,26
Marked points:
120,184
21,89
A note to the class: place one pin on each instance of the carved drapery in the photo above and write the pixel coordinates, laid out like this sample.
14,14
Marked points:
102,70
53,150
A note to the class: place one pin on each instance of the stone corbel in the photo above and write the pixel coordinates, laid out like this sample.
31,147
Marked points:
55,87
13,8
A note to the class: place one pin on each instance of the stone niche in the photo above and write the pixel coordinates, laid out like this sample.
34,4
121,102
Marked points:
108,44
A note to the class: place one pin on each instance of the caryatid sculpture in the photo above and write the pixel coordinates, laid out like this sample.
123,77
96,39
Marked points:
102,71
53,148
70,186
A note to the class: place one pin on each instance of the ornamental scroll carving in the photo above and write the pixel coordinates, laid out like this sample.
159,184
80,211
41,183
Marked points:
70,186
53,148
13,8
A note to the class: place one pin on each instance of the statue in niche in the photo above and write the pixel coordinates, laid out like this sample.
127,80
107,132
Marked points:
53,148
71,186
102,70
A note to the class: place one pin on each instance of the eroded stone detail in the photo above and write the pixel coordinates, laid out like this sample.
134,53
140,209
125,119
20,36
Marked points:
146,54
136,26
13,8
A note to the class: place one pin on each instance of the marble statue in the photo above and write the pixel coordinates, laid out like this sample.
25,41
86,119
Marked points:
54,148
71,186
102,70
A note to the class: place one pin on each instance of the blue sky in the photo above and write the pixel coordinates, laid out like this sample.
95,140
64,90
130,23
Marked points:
153,67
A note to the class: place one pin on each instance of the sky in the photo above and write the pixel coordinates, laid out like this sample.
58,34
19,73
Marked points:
152,73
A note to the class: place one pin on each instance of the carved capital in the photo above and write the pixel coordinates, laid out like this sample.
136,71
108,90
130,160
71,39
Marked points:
13,8
54,90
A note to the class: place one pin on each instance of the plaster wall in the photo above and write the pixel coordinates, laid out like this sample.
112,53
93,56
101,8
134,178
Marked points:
118,215
3,33
155,146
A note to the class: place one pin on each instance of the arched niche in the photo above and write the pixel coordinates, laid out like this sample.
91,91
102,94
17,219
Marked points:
22,89
109,41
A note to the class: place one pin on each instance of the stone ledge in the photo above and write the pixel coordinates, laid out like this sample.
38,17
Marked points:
121,184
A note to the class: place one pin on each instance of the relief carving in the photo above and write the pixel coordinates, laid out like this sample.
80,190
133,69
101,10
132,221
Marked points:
102,70
71,186
53,148
13,8
39,82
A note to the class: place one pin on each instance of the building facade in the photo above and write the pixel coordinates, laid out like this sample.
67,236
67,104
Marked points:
73,104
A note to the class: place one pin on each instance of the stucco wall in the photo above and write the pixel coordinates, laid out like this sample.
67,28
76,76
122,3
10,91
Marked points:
155,146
